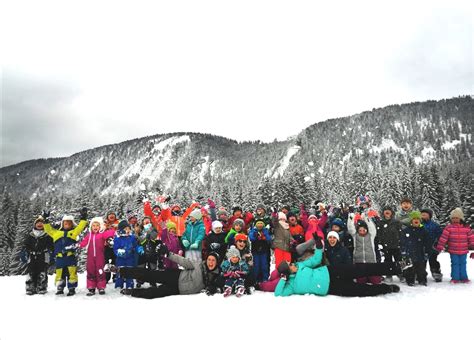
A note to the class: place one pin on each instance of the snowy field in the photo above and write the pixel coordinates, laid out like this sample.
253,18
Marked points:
439,311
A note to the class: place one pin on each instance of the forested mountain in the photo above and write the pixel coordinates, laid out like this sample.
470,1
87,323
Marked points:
423,150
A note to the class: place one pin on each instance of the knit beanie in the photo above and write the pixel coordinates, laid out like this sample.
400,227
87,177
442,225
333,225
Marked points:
338,222
240,237
215,225
261,206
239,221
236,208
260,221
427,211
123,224
415,215
334,234
196,213
232,252
362,224
171,225
281,216
457,213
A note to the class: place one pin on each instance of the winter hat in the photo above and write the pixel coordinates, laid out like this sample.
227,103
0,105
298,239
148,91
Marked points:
415,215
334,234
171,225
286,207
406,199
240,237
222,211
457,213
110,212
284,268
362,224
236,208
156,206
232,252
213,253
215,225
196,213
338,222
312,217
259,220
239,221
99,220
388,208
290,214
131,215
123,224
67,218
261,206
281,216
427,211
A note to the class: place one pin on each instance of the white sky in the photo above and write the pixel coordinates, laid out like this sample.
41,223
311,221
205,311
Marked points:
84,74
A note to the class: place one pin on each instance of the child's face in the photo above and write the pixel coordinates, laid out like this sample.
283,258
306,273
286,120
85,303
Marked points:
133,221
234,259
111,218
406,206
156,211
218,230
293,267
336,228
362,231
137,229
146,221
95,227
192,219
172,231
67,225
285,211
238,214
425,216
260,225
332,241
292,220
127,230
39,226
223,217
387,214
455,220
260,211
415,222
237,228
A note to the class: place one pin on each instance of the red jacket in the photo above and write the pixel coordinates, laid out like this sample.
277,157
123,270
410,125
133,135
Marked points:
459,238
247,217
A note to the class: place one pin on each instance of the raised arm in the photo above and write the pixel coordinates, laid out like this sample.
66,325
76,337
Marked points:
185,263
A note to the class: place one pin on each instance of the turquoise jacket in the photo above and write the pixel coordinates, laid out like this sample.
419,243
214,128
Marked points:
311,278
194,233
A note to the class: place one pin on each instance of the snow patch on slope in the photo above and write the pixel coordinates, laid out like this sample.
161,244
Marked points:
285,162
386,144
88,172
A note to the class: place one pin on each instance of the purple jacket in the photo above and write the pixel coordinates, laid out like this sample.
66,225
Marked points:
174,246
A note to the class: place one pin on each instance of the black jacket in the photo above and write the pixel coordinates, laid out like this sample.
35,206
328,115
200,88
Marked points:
338,254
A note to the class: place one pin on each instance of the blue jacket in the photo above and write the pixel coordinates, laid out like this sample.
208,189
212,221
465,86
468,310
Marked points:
261,241
415,243
338,254
434,230
194,233
129,244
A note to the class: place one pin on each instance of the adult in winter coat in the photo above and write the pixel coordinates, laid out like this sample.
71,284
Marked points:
388,235
94,242
311,277
434,233
193,236
65,241
415,245
36,252
335,252
364,243
459,238
195,277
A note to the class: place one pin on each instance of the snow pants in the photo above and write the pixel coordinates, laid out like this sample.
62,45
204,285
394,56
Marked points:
168,279
458,267
37,277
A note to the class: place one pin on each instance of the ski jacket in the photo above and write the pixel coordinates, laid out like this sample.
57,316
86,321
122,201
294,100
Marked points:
458,237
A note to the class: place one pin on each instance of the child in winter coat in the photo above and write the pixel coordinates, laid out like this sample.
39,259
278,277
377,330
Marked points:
94,242
234,270
237,213
36,253
296,231
312,224
215,241
65,241
434,233
403,215
237,228
261,242
171,240
388,234
282,238
415,246
364,244
459,238
193,236
125,247
148,240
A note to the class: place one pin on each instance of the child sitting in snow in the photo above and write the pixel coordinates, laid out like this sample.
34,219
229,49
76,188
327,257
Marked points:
234,271
459,238
95,242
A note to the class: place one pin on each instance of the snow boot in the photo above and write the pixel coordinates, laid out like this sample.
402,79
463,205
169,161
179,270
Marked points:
72,292
388,279
240,291
395,288
91,292
30,292
227,291
101,291
60,292
455,281
126,291
466,281
438,277
42,291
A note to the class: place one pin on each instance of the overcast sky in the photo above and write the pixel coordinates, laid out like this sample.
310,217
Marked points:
80,76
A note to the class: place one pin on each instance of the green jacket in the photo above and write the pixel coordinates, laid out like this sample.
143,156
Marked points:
311,278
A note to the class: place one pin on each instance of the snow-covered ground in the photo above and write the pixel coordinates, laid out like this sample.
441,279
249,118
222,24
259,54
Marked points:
439,311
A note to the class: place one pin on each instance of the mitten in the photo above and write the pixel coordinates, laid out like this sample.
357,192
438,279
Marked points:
45,214
211,203
194,246
318,241
24,256
121,252
140,250
83,214
186,243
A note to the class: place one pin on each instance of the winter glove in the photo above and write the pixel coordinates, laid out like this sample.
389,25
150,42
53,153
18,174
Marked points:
71,247
45,214
83,214
24,256
318,240
121,252
186,243
162,250
471,256
167,199
140,250
215,246
194,246
211,203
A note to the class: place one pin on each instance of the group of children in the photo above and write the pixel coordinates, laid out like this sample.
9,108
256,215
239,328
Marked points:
244,243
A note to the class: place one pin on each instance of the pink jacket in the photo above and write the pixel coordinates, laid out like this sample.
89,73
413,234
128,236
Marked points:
315,226
459,238
95,243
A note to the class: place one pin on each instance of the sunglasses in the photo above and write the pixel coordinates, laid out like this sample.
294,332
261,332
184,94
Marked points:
241,241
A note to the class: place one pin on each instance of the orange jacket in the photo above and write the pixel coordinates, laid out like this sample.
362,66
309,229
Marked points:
180,221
